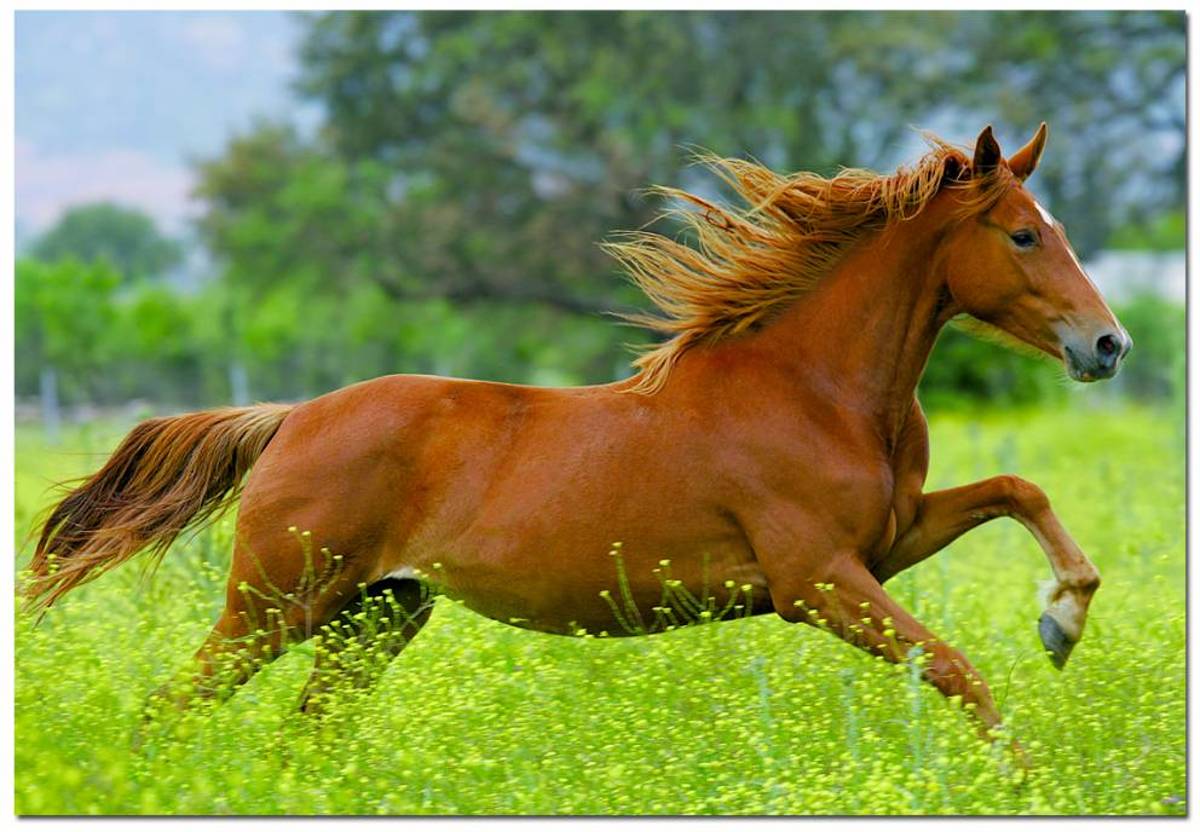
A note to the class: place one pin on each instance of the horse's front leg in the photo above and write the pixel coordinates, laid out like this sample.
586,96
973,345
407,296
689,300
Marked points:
816,575
852,605
942,516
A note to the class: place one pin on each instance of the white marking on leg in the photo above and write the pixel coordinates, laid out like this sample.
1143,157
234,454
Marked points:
1046,591
1068,611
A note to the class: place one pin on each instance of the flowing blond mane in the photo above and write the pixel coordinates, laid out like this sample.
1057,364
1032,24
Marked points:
748,262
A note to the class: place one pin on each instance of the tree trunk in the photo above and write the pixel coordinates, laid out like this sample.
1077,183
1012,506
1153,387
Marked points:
51,415
239,384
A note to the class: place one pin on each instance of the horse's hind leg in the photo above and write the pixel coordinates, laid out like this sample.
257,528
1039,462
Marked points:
269,604
231,654
357,645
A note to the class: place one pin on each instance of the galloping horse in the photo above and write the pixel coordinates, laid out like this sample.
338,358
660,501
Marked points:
769,455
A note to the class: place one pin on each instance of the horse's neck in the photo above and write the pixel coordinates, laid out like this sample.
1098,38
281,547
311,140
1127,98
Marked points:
864,333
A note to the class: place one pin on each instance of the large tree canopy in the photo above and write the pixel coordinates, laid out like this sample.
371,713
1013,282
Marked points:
124,237
481,156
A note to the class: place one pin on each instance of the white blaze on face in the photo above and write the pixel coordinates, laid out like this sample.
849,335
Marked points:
1050,221
1046,215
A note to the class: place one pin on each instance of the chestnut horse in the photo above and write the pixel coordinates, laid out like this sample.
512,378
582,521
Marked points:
770,455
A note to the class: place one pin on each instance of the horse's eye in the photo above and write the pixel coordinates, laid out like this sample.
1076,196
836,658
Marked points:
1024,239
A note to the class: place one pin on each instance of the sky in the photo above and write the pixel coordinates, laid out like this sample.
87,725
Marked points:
115,105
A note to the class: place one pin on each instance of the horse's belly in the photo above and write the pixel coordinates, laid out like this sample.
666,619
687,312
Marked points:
628,589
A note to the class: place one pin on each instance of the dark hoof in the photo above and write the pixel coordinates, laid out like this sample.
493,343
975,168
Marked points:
1057,645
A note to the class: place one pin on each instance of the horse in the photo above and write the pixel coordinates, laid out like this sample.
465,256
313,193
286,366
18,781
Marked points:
768,455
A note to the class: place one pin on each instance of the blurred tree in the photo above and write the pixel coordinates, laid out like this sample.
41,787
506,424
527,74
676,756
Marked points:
1112,86
1165,232
968,370
280,209
126,238
1156,369
63,311
156,352
513,142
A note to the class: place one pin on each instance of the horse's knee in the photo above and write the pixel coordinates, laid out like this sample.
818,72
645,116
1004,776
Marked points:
794,603
792,612
948,669
952,675
1020,496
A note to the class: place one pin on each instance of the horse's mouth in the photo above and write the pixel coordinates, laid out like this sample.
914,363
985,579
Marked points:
1087,370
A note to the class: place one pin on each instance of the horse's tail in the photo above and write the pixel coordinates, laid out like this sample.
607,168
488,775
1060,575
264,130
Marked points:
168,473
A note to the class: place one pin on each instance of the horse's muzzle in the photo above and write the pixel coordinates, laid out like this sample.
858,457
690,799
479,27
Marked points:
1099,360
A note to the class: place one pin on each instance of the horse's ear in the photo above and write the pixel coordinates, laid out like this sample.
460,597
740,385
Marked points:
1025,160
987,153
955,168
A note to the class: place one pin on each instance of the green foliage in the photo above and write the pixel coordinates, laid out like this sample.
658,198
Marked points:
966,371
1156,368
1163,232
126,238
63,308
64,312
157,352
283,212
740,717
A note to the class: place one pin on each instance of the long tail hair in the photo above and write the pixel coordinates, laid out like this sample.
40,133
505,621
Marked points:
168,473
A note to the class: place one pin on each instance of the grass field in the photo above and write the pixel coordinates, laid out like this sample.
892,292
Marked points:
745,717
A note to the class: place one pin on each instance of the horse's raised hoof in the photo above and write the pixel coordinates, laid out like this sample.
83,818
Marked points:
1058,645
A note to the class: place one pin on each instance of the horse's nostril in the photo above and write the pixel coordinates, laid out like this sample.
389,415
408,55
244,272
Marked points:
1107,346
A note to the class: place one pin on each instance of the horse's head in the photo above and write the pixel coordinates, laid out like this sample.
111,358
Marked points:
1011,267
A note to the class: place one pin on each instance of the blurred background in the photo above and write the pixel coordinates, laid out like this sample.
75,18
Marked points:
220,208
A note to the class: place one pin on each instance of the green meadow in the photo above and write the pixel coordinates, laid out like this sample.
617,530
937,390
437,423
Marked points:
742,717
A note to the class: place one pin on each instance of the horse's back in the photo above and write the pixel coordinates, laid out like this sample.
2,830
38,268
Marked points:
410,460
372,437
